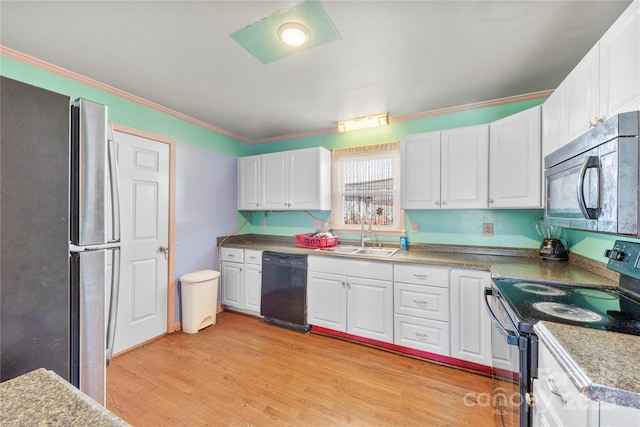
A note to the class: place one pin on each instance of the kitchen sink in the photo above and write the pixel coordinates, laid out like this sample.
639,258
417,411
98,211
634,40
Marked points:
345,250
355,250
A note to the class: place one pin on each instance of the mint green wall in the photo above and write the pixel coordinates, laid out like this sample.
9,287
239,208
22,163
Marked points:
395,131
593,245
126,112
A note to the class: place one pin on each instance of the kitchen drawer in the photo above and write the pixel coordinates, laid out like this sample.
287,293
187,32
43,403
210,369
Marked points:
232,254
252,256
561,398
421,334
421,275
427,302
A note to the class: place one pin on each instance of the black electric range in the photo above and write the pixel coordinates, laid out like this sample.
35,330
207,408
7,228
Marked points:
514,306
616,310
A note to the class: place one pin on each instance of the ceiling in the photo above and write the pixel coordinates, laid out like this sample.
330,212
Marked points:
400,57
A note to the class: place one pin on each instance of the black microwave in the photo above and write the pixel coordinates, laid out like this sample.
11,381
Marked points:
593,182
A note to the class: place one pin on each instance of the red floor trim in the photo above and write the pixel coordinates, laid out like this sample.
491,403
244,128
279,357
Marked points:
405,350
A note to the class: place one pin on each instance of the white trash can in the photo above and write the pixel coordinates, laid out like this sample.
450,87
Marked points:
199,299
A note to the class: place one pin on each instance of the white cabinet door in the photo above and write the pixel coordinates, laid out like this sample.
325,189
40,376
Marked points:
309,180
232,276
420,171
274,177
464,177
249,183
553,131
252,287
470,324
514,161
370,308
581,95
620,64
327,300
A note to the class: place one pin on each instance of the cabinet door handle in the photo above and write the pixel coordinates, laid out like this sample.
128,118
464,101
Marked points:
554,390
437,202
420,276
490,200
444,202
421,336
420,302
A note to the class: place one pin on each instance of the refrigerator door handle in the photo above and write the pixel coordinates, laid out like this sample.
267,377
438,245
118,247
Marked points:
115,187
113,303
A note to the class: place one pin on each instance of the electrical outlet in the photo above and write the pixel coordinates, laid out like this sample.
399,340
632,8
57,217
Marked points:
263,223
415,227
487,229
316,223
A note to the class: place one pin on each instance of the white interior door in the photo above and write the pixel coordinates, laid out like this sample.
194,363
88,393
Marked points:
144,193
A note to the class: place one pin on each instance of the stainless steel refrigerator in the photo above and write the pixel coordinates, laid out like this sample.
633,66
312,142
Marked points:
59,236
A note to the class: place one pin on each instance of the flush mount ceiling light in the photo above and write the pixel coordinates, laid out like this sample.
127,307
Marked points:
263,39
293,34
375,120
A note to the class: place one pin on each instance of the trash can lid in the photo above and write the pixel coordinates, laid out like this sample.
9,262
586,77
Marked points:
200,276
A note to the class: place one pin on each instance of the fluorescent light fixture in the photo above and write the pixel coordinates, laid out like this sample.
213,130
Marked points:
373,121
293,34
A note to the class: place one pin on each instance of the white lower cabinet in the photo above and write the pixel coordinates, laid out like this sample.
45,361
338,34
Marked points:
252,280
241,279
350,296
421,308
557,401
470,324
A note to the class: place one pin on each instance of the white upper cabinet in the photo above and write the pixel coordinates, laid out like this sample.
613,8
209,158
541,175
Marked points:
287,180
249,183
514,161
464,168
445,170
420,171
581,95
274,182
604,83
620,64
553,131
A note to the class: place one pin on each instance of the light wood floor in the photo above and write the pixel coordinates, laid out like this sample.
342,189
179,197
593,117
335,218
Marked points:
244,372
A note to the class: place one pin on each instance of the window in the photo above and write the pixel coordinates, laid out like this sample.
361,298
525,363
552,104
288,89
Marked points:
366,188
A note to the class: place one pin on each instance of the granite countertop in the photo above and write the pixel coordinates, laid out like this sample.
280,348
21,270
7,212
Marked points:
602,365
507,263
42,397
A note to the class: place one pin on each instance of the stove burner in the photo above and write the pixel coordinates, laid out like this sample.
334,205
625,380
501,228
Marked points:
539,289
566,311
596,293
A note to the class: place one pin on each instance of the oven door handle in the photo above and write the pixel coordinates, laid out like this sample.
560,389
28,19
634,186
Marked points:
511,336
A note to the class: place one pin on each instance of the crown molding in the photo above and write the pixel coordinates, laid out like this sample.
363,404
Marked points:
46,66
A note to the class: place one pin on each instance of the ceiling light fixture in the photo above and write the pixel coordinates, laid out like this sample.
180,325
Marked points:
375,120
293,34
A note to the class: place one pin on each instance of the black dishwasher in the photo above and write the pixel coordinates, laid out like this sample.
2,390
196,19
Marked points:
284,290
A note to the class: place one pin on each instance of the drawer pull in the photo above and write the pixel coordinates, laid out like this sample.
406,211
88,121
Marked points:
421,276
420,302
554,390
230,256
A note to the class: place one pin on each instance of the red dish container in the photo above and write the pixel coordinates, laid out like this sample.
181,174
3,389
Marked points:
316,242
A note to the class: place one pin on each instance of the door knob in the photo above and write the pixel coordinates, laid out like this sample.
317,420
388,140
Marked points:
165,250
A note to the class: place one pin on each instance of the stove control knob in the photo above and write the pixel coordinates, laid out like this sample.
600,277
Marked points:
530,399
614,255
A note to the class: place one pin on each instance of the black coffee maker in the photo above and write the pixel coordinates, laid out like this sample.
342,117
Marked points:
552,247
